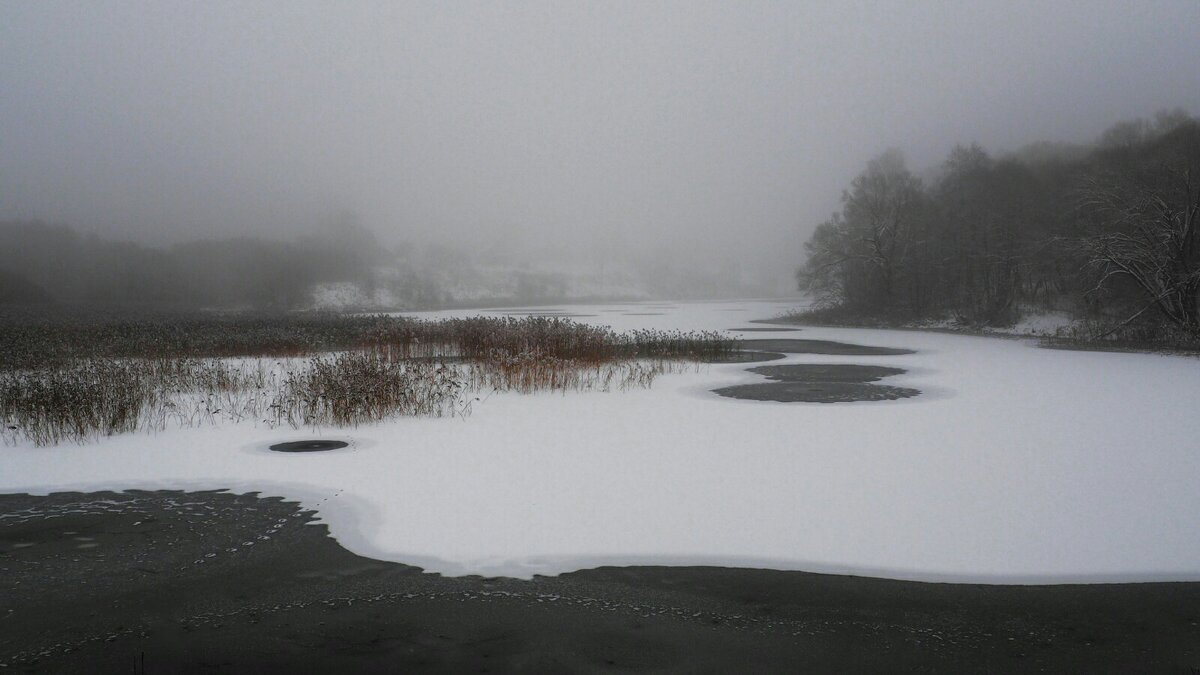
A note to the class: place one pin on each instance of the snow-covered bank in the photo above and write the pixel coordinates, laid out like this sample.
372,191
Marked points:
1015,464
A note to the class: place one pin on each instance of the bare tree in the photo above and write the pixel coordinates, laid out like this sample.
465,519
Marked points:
878,209
856,256
1150,234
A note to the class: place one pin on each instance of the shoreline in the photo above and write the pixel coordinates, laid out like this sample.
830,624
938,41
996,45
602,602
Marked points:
97,582
1042,341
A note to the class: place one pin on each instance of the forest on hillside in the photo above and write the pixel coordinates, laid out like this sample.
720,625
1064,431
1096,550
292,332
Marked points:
42,263
1108,232
342,265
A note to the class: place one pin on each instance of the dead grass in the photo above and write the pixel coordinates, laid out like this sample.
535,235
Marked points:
74,381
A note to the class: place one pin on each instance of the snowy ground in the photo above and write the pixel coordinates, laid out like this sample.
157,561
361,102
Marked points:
1016,464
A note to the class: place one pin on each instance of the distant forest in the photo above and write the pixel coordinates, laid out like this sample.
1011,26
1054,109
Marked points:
1109,232
41,263
344,266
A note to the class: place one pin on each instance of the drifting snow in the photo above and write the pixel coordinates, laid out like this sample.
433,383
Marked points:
1015,464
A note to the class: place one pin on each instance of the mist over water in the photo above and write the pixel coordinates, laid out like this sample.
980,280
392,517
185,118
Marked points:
596,335
661,148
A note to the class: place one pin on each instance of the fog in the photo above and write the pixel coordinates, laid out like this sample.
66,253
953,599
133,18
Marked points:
697,133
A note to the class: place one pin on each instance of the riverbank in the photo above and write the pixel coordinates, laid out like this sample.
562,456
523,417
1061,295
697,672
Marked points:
171,581
1049,332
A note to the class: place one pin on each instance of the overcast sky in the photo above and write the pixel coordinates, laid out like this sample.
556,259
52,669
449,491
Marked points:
726,127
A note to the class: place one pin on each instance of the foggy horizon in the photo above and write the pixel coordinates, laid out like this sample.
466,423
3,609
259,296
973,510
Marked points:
707,131
588,336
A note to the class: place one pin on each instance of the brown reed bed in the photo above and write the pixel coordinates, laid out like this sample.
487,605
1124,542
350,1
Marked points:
101,396
530,372
66,380
94,396
360,387
31,339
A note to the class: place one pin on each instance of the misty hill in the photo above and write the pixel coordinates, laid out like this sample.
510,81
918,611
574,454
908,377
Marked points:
71,268
345,267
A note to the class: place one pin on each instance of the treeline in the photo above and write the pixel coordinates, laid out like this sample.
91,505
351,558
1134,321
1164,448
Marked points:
41,263
342,267
1108,231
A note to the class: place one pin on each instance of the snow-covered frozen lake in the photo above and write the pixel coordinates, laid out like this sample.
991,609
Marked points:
1015,464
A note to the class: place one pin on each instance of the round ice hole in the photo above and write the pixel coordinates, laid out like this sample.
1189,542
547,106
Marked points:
308,446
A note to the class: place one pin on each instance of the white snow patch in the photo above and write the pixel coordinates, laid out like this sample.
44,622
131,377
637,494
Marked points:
347,295
1019,465
1042,324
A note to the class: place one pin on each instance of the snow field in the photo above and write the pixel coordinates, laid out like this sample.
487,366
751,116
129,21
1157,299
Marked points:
1017,464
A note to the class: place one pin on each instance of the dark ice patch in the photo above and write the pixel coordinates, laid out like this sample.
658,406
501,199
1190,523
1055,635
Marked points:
822,347
551,315
825,372
816,392
819,383
309,446
744,357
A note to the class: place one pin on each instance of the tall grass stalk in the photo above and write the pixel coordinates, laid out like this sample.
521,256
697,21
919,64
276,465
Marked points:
74,381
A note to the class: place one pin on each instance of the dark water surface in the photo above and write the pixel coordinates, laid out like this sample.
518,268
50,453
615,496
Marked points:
170,581
309,446
819,383
795,346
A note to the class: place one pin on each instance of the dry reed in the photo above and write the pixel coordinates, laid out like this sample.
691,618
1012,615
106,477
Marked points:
66,380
